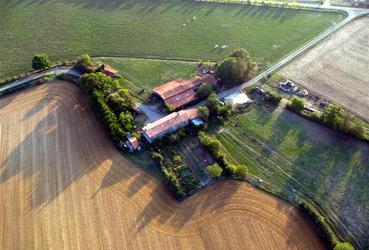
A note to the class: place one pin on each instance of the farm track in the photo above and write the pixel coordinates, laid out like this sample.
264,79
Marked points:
64,185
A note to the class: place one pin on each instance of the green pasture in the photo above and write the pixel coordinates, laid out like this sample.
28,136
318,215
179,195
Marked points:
66,29
295,155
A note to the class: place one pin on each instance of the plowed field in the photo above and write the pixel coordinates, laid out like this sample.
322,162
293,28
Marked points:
338,68
64,186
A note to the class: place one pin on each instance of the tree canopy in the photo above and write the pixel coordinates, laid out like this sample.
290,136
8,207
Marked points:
297,104
215,170
333,116
40,61
236,68
204,90
84,64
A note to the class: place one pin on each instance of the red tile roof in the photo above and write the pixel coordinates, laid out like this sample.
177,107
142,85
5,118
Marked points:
134,142
109,70
172,120
180,92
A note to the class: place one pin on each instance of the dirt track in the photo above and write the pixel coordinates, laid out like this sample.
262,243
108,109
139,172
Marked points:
64,186
338,68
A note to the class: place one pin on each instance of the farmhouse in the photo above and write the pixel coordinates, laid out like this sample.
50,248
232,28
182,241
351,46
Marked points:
169,124
180,92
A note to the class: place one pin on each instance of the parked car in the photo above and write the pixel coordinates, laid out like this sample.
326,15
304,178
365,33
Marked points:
303,93
259,91
311,109
288,86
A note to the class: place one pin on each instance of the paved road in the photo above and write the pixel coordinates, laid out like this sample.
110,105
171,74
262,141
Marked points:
352,13
28,79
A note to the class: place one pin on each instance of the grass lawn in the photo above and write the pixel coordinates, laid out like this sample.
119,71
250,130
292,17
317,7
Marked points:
147,74
292,153
66,29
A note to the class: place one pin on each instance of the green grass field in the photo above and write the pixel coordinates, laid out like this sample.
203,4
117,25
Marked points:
291,153
66,29
147,74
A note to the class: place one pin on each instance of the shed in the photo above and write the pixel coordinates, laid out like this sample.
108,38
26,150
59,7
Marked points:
133,144
238,100
109,71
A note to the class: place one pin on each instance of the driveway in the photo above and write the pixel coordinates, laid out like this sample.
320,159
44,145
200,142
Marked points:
152,112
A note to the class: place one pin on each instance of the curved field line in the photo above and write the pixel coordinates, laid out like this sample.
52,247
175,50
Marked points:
64,185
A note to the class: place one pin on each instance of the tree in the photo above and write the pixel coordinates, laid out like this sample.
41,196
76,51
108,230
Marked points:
213,104
84,64
297,104
204,90
215,170
343,246
236,68
333,116
126,120
40,61
204,113
242,171
92,81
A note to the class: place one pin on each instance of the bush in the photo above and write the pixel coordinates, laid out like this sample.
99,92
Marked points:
84,64
204,90
273,98
215,170
237,171
203,113
169,108
242,171
212,144
344,246
40,61
297,104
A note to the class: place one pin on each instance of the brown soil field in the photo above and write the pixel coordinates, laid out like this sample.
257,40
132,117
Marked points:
63,185
338,68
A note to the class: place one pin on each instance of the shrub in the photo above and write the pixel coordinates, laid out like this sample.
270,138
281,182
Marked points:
212,144
157,157
344,246
204,113
204,90
215,170
315,116
169,108
297,104
273,98
84,64
237,171
40,61
242,171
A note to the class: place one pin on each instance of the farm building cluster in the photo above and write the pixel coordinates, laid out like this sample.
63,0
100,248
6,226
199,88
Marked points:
177,95
181,92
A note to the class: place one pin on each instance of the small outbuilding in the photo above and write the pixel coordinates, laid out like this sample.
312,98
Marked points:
133,144
238,100
109,71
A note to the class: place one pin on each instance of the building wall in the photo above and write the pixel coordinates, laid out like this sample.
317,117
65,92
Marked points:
168,131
